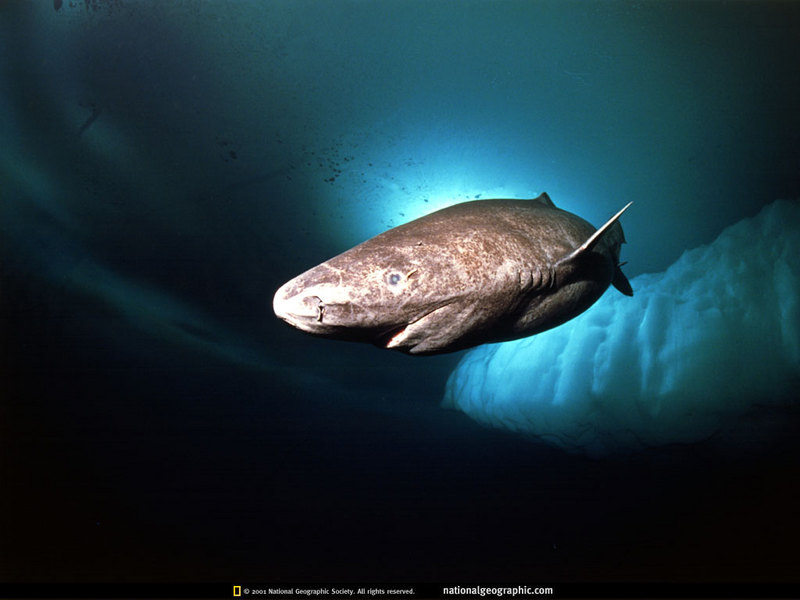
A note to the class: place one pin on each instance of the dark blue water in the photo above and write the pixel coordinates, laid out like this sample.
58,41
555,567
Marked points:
166,166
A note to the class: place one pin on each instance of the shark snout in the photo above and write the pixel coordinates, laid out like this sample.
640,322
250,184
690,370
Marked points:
301,310
323,308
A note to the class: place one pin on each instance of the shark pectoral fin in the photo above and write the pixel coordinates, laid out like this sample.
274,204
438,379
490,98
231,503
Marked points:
411,334
419,336
612,232
607,229
621,282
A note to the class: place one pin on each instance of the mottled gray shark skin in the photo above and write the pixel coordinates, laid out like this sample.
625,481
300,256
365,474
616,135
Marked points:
473,273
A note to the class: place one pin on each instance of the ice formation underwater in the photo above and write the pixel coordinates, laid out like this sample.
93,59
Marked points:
700,347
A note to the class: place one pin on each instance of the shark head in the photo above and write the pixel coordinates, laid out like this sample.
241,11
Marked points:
414,296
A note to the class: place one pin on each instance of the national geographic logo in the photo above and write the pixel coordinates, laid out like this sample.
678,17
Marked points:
330,591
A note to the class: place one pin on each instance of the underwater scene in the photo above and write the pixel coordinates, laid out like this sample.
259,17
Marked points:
540,390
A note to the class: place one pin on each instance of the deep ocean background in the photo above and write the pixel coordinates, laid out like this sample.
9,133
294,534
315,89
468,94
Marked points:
165,166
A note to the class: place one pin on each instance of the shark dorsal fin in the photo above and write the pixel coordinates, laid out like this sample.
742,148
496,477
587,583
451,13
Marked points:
595,237
543,198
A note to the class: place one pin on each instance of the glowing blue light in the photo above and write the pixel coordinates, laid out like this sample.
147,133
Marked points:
385,184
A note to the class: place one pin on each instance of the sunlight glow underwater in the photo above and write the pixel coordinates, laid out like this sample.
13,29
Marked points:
700,346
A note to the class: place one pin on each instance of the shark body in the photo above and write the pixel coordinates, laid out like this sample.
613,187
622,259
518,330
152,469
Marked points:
473,273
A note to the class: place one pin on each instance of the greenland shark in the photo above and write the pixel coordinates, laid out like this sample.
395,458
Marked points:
473,273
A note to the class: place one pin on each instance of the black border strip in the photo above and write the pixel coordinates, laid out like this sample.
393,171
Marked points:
373,591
